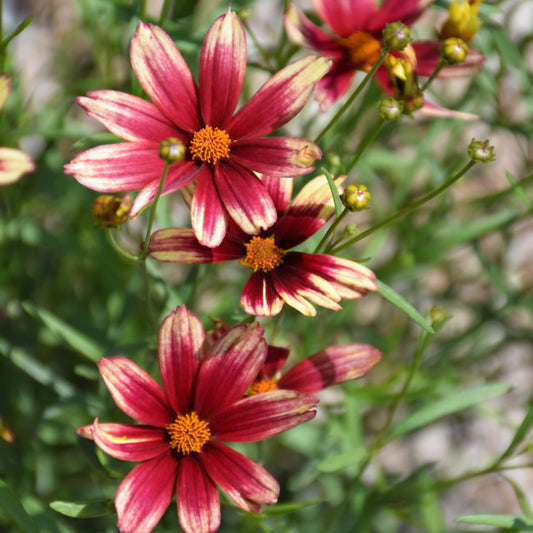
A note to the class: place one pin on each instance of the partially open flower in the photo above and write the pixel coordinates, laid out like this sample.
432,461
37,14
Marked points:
110,211
462,21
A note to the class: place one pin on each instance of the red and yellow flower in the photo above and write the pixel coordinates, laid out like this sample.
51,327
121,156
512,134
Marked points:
223,148
183,424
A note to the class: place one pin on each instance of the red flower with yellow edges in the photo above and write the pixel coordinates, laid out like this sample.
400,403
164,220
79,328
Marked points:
183,424
279,275
223,148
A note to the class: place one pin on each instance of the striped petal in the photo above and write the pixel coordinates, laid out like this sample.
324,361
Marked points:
280,191
245,482
279,99
181,348
130,442
406,11
145,493
259,297
234,362
245,198
129,117
279,157
331,366
165,76
197,498
262,416
335,84
346,16
311,208
222,67
117,167
207,214
180,245
135,392
13,165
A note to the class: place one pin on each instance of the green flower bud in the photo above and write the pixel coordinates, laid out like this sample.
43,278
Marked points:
351,230
481,151
355,197
390,109
454,50
396,36
333,159
171,150
110,211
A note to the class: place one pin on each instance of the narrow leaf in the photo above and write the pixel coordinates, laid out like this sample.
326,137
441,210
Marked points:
516,523
339,207
12,507
82,509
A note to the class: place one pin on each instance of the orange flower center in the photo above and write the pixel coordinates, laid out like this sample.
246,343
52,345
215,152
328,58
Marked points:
210,144
362,48
263,254
263,385
188,433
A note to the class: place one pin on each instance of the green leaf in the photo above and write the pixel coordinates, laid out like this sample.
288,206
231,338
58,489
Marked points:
520,434
395,299
341,461
83,509
19,29
73,337
284,508
516,523
10,503
339,207
456,400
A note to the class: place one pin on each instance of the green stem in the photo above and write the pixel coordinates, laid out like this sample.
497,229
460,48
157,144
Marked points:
330,231
368,140
164,12
354,95
114,244
146,246
264,54
147,297
440,65
142,14
407,208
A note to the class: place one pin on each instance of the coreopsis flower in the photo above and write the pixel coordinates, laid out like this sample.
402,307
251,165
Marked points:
223,148
463,20
279,274
332,366
355,41
183,424
14,163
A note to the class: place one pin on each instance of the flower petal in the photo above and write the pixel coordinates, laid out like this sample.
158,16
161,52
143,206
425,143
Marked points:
279,157
279,99
259,297
245,482
234,362
334,84
130,442
346,16
180,245
433,110
129,117
197,498
331,366
262,416
276,358
135,392
245,198
165,76
309,211
13,165
280,191
117,167
406,11
222,67
207,214
145,493
181,348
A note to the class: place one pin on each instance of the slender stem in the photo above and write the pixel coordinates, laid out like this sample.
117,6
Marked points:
142,14
366,143
354,95
114,244
164,12
330,231
264,54
407,208
147,297
152,212
440,65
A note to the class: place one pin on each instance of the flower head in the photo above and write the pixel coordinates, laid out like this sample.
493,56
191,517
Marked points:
223,148
279,275
183,424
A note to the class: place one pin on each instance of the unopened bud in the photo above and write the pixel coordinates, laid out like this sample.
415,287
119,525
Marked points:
438,316
390,109
351,230
481,151
355,197
171,150
396,36
454,50
111,211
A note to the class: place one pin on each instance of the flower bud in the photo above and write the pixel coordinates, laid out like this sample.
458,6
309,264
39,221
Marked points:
462,20
355,197
481,151
396,36
171,150
454,50
111,211
351,230
389,108
438,316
